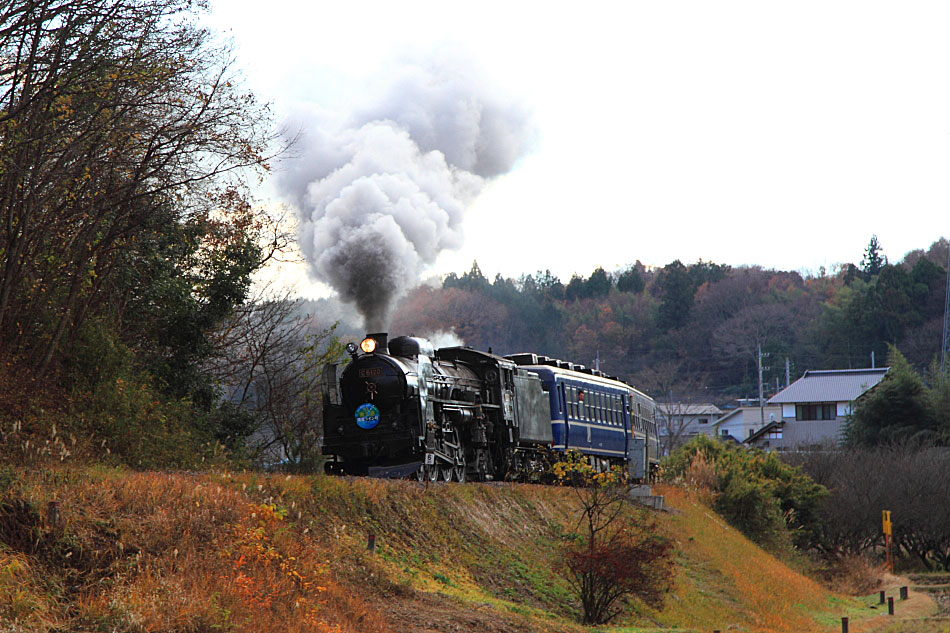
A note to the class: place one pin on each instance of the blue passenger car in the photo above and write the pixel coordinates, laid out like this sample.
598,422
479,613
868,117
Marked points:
600,416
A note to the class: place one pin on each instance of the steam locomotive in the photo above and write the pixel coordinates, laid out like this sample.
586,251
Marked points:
401,408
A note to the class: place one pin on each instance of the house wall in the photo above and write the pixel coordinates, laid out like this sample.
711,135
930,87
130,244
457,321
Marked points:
805,434
812,432
802,433
748,420
735,426
692,427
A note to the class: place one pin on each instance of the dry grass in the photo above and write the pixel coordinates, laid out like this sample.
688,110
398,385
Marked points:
727,582
854,576
138,552
161,552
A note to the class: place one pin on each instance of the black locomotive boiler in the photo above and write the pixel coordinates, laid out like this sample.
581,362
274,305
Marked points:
402,408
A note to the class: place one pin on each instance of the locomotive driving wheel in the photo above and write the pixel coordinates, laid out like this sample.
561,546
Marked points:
428,472
445,472
459,472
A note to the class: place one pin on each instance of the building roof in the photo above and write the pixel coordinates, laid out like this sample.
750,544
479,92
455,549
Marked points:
830,385
765,429
680,408
741,410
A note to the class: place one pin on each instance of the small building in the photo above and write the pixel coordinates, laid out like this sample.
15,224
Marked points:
740,423
815,408
679,422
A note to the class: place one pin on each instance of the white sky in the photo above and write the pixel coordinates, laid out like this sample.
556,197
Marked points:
778,134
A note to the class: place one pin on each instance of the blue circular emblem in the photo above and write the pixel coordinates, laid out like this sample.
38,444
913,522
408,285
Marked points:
367,415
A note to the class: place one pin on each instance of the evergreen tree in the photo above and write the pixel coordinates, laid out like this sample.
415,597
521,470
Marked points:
630,280
576,288
676,295
549,285
472,281
598,284
873,261
897,409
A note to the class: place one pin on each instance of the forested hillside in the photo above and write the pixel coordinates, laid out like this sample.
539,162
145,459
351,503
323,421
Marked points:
695,328
128,236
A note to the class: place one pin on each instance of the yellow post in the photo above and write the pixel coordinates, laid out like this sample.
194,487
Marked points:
886,521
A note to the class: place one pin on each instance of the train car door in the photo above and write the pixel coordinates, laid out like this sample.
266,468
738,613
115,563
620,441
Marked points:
625,417
637,456
562,399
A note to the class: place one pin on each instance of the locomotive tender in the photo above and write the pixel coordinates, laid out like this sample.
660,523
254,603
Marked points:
402,408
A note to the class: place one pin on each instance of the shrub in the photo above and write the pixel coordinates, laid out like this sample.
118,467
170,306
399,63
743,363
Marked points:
765,498
615,553
629,560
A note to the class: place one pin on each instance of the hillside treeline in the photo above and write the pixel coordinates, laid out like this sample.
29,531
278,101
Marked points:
127,233
695,328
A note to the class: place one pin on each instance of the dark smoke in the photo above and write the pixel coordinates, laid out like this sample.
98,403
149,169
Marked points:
381,196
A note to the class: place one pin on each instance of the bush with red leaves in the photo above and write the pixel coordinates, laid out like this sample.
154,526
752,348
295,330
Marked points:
621,554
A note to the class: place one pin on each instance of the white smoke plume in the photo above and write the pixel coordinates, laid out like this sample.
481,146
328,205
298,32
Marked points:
381,195
444,338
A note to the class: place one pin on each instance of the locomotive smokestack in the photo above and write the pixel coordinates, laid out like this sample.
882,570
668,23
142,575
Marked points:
382,195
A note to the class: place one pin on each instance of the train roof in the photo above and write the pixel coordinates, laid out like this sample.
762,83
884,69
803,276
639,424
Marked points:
587,376
470,354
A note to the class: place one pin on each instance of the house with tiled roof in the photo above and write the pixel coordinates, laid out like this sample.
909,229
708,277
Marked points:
815,408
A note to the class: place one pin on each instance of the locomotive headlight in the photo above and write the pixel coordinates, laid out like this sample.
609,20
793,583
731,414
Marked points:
351,349
368,345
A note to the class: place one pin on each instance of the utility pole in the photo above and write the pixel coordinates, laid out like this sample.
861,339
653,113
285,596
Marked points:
787,373
761,403
946,321
872,359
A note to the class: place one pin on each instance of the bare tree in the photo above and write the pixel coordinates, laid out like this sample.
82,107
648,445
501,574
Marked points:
616,552
268,367
676,388
740,337
913,482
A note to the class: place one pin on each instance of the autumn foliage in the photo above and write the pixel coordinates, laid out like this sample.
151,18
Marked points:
615,552
706,319
631,560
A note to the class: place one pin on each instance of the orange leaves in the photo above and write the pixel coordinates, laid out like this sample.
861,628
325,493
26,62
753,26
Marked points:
267,574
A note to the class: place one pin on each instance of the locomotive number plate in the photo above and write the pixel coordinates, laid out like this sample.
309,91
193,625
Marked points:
430,459
372,371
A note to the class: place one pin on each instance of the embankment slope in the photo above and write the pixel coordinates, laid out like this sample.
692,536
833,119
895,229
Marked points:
134,552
